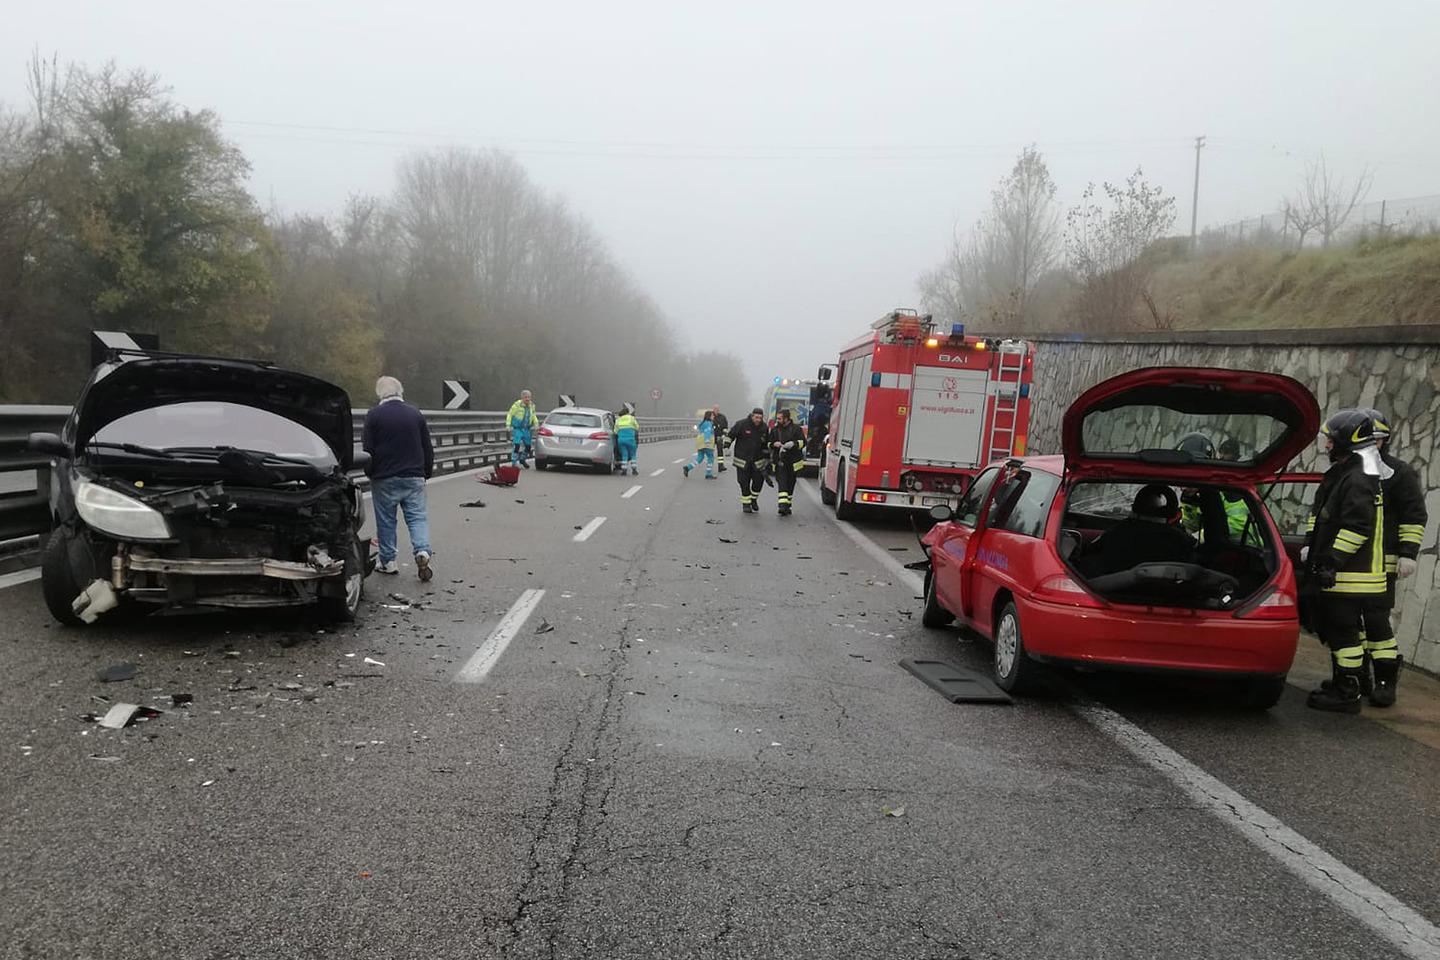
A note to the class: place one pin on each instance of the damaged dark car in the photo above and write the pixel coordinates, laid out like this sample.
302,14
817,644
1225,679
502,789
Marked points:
192,482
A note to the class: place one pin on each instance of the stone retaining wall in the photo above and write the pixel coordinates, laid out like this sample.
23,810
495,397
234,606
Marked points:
1342,368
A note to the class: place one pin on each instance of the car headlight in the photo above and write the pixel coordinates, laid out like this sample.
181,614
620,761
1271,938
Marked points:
118,515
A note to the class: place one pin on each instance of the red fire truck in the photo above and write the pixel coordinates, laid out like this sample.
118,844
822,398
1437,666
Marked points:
919,412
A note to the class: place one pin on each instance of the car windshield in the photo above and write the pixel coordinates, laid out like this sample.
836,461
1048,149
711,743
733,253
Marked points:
208,425
589,421
1135,430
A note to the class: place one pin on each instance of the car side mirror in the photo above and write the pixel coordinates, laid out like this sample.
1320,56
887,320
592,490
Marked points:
49,443
940,513
361,460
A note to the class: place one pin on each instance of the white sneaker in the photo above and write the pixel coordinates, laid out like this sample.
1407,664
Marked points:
422,566
391,568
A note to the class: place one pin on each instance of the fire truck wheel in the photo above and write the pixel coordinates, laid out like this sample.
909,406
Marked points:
844,509
827,496
934,615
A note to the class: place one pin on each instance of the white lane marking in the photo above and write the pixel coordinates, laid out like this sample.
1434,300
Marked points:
658,472
1389,917
632,491
886,560
681,460
19,577
488,653
588,530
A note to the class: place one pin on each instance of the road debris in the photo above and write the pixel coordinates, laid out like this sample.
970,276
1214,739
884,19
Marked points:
893,811
373,662
181,699
125,714
473,505
99,759
727,540
116,673
545,626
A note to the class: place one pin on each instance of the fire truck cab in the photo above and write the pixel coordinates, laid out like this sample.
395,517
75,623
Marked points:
918,412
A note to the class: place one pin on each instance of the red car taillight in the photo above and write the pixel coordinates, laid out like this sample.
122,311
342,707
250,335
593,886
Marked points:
1275,604
600,435
546,432
1062,588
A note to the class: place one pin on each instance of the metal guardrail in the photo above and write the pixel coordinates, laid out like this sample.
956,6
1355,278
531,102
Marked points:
463,440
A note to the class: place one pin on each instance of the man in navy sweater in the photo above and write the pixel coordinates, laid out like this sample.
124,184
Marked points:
401,460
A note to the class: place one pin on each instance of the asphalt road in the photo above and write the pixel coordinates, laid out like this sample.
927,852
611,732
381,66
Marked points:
695,761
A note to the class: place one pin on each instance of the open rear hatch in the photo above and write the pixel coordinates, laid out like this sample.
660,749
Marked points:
1133,425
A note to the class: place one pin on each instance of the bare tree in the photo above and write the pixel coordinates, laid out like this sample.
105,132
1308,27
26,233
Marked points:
991,270
1109,248
1324,202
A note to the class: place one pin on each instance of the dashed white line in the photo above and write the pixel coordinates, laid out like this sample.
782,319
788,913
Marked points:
19,577
488,653
632,491
588,530
658,472
681,460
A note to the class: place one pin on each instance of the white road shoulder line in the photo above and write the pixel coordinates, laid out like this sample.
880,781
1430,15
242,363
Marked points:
488,653
1406,929
886,560
658,472
19,577
1389,917
632,491
587,531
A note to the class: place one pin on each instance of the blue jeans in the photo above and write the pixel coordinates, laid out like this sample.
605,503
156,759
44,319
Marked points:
407,493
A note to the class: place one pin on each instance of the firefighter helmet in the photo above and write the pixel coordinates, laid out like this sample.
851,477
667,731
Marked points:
1197,445
1348,430
1156,501
1381,422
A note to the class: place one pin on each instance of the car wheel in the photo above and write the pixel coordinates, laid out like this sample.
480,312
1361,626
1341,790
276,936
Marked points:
343,609
934,614
1014,670
1262,693
541,464
603,468
60,581
844,509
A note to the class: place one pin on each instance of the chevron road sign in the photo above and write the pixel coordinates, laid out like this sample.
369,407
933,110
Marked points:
455,395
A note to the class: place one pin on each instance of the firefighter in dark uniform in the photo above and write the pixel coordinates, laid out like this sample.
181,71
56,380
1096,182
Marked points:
722,436
1405,519
1345,553
787,453
750,455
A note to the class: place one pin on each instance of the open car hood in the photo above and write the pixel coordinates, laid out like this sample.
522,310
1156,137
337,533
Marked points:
1132,424
320,407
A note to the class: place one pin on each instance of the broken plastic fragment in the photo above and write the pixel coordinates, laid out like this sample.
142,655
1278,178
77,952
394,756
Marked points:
116,672
119,716
545,626
373,662
893,811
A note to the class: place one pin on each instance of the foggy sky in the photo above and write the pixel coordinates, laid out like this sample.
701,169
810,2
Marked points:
776,174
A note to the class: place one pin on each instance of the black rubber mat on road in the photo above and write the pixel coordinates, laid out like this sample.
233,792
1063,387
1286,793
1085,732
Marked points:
955,684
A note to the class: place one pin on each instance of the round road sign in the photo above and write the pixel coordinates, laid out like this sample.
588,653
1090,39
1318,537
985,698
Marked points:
655,394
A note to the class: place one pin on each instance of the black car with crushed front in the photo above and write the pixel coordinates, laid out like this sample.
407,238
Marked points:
185,481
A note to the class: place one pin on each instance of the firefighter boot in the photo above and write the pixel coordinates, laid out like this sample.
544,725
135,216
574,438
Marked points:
1387,677
1342,695
1366,678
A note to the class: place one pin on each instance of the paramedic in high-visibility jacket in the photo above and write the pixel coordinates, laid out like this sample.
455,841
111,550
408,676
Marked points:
522,422
751,455
1345,552
627,439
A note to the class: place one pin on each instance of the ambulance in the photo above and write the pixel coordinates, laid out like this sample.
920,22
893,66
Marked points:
919,411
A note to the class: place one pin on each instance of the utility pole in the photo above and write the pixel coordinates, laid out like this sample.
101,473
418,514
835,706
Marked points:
1195,198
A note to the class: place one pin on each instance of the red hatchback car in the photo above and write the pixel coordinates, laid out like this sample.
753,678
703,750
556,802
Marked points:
1147,545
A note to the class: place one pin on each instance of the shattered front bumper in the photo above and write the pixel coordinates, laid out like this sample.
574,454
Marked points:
242,567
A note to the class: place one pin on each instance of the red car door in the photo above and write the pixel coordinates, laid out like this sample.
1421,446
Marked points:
948,557
985,555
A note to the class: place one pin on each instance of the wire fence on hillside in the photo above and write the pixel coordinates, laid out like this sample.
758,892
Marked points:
1412,216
